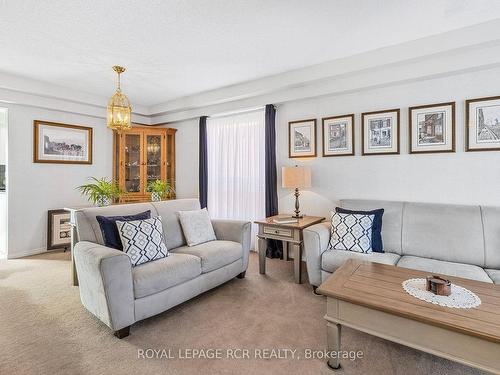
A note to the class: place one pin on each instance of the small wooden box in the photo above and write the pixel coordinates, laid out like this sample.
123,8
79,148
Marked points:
438,285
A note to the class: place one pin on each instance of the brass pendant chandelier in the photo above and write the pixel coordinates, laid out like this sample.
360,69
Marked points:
119,108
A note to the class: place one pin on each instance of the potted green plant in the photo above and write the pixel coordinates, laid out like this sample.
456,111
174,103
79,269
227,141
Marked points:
159,190
102,191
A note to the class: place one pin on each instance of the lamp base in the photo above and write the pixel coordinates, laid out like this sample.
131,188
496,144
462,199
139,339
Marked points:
301,216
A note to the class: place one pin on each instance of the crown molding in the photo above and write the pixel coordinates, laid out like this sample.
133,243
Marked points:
32,93
444,54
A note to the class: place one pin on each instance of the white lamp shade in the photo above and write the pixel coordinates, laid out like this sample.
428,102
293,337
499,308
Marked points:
295,177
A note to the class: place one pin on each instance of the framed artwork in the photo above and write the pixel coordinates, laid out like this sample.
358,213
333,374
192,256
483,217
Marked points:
380,132
61,143
302,138
482,124
432,128
338,135
58,230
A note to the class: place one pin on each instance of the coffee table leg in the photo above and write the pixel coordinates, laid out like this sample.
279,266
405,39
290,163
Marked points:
262,256
333,343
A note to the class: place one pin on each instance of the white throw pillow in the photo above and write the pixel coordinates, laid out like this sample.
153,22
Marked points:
143,240
351,232
197,226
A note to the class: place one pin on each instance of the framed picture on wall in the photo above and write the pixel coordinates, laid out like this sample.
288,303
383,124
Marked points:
61,143
302,138
380,132
482,124
432,128
58,230
338,135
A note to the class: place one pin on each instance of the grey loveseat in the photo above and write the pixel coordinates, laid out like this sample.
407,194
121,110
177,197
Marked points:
119,294
454,240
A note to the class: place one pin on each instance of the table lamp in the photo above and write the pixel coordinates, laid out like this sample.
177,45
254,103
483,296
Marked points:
295,178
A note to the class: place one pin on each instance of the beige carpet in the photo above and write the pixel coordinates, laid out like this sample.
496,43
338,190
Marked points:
45,330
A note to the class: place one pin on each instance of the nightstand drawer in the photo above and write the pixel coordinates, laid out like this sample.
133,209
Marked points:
278,231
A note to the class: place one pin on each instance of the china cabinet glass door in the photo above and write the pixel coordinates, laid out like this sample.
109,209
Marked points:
133,163
154,151
170,159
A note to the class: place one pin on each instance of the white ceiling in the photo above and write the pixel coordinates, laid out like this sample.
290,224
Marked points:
178,48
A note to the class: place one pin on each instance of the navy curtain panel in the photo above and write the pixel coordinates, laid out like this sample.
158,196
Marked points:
274,248
203,163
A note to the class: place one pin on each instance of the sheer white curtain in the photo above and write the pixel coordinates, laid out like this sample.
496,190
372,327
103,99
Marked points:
236,167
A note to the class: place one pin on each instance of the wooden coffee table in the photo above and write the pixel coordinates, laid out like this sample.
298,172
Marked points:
369,297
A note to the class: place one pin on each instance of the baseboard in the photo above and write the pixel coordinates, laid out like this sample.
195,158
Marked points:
26,253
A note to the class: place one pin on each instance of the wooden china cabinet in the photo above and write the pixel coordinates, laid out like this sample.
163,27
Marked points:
141,155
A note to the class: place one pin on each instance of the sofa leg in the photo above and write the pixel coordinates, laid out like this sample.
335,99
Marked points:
241,275
124,332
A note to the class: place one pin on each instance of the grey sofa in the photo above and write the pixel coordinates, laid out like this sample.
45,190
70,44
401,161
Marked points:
120,295
453,240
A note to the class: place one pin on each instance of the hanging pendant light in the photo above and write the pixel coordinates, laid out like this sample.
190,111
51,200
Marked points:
119,109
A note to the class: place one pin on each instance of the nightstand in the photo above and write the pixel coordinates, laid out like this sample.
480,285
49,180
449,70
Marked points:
289,234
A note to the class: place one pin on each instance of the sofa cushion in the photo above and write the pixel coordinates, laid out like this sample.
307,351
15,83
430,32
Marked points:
393,219
213,254
466,271
153,277
333,259
494,275
168,210
447,232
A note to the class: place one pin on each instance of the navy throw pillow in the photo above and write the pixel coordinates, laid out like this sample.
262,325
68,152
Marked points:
109,229
377,245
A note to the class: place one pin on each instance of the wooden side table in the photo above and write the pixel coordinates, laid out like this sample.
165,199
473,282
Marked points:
289,234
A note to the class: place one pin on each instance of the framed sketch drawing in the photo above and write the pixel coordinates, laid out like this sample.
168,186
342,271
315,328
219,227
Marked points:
380,132
58,230
432,128
482,124
61,143
302,138
338,135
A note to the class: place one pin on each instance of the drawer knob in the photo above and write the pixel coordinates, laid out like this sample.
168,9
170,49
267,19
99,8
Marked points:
276,231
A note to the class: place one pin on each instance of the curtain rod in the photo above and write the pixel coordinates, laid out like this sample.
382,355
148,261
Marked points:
237,112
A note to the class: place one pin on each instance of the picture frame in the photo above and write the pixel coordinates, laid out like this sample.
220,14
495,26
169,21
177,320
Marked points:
59,143
380,132
482,124
58,229
338,135
431,128
302,138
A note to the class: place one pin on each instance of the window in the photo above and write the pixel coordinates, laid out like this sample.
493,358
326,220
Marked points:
236,167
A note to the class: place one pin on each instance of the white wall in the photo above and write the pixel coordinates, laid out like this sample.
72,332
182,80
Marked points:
3,195
36,188
186,153
461,177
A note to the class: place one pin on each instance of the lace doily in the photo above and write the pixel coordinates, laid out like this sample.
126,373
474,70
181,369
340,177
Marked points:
459,298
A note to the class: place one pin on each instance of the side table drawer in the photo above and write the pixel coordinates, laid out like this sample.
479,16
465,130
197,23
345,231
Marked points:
278,231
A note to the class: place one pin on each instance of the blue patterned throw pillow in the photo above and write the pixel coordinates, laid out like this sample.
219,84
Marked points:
352,232
377,244
143,240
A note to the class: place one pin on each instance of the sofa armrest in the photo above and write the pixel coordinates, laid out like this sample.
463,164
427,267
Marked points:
316,240
237,231
106,286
